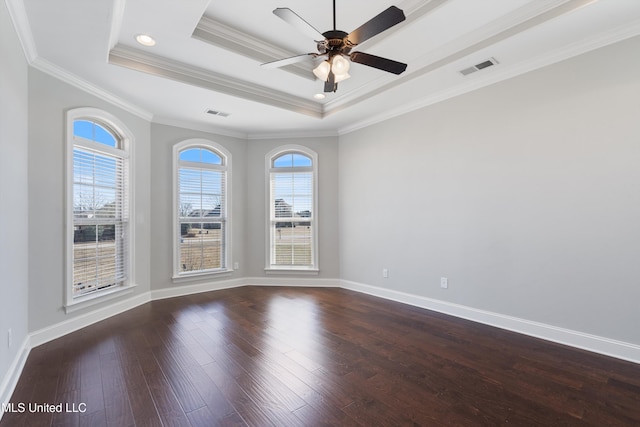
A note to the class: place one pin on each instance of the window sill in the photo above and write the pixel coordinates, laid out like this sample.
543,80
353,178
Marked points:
199,276
97,298
292,271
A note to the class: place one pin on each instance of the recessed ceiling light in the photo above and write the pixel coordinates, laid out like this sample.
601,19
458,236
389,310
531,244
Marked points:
145,40
319,96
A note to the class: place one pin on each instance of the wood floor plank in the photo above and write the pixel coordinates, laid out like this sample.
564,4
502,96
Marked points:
202,417
67,419
279,356
137,390
185,392
93,419
254,413
116,401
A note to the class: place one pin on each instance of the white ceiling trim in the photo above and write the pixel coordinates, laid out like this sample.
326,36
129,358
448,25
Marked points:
18,15
138,60
417,8
216,33
117,15
293,134
198,126
506,72
522,19
413,10
492,33
75,81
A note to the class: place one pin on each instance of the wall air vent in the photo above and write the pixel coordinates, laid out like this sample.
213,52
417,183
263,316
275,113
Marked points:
217,113
484,64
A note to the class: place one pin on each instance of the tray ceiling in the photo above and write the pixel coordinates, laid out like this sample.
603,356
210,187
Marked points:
208,54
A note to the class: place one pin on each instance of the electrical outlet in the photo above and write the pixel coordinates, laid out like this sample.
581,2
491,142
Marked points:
9,338
444,283
385,273
236,265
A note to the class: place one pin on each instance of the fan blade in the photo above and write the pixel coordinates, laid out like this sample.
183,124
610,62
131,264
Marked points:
330,85
293,19
376,25
287,61
384,64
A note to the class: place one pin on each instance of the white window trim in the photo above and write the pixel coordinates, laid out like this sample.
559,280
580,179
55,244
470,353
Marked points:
294,269
72,303
179,276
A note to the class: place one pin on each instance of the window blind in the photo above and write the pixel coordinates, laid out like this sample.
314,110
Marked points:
100,220
292,217
202,216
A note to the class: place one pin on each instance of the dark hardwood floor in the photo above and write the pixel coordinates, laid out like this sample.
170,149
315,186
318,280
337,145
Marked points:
312,357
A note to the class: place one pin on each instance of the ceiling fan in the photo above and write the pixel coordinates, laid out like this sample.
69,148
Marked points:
336,45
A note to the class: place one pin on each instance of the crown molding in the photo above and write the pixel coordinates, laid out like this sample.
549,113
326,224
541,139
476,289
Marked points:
18,15
518,21
136,59
75,81
293,135
506,72
199,127
117,15
229,38
416,8
219,34
413,10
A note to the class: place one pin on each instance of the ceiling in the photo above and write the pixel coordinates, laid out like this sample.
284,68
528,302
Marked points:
208,55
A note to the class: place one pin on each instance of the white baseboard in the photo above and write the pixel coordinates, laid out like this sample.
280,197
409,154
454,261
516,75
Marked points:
309,282
593,343
606,346
58,330
181,290
10,380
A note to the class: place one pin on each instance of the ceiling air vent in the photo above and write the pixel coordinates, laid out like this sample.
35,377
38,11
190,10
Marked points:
484,64
217,113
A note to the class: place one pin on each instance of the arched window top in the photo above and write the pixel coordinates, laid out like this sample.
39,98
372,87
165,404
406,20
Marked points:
292,159
94,131
201,155
99,206
292,217
202,208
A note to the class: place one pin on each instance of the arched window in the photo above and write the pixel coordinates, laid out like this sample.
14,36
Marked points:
201,206
292,209
98,205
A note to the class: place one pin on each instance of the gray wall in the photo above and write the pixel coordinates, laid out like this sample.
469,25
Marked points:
14,228
524,194
328,251
163,139
248,199
49,99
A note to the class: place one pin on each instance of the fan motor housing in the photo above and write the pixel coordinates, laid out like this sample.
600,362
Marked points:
335,39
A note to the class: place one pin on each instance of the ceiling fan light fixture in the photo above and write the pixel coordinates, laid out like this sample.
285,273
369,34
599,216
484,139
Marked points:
339,65
322,70
341,77
337,44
